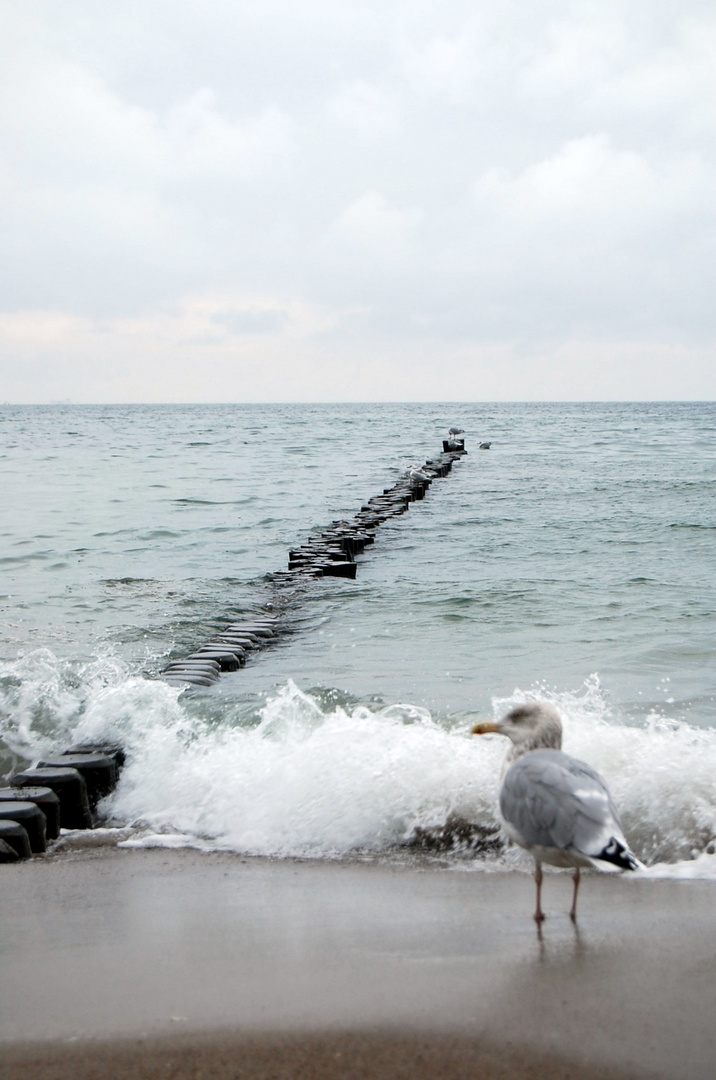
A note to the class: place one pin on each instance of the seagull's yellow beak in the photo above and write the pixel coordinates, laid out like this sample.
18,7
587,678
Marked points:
486,729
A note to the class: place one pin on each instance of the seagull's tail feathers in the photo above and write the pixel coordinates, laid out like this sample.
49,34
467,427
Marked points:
619,856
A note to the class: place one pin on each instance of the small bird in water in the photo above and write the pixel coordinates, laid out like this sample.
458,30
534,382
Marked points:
556,807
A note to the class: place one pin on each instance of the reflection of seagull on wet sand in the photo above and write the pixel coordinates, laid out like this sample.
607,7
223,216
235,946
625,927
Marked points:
557,808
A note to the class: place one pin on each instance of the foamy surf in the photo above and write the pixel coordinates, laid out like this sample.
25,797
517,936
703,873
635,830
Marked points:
301,779
305,781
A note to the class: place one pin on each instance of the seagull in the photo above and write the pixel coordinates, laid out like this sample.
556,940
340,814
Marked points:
556,807
456,431
416,473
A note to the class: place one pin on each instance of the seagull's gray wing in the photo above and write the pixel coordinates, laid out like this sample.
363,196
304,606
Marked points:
551,800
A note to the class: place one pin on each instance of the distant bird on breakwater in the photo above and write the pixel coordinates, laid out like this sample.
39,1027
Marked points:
556,807
417,473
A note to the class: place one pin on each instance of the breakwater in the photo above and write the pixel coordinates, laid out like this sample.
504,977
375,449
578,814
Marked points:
331,552
65,790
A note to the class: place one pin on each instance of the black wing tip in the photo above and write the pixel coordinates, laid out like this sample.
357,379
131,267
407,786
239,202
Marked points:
619,855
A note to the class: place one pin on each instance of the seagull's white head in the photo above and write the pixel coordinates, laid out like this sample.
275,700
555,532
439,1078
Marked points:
534,725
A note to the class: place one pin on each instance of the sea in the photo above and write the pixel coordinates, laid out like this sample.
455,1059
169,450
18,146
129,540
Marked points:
573,562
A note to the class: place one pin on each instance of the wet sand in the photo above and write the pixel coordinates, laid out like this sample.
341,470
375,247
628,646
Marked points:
177,964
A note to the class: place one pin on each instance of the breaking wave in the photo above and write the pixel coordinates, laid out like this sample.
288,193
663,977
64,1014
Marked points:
298,777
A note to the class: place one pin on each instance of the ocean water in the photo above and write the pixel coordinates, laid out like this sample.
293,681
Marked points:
573,561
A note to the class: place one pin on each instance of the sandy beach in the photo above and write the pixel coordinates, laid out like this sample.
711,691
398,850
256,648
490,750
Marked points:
174,963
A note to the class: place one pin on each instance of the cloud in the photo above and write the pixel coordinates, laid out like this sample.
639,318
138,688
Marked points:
368,111
179,356
450,67
198,141
591,191
90,179
371,225
490,180
63,121
251,320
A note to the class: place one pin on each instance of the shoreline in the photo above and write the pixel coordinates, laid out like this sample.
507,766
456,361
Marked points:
378,1055
137,956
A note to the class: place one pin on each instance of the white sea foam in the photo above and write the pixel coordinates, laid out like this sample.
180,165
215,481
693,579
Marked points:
312,781
305,781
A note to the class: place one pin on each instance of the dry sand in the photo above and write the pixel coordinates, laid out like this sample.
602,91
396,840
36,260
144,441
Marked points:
177,964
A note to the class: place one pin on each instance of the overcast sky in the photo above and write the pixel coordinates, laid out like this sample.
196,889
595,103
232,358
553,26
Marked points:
258,200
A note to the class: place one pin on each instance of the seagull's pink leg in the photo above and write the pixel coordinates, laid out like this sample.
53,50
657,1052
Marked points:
573,909
539,914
